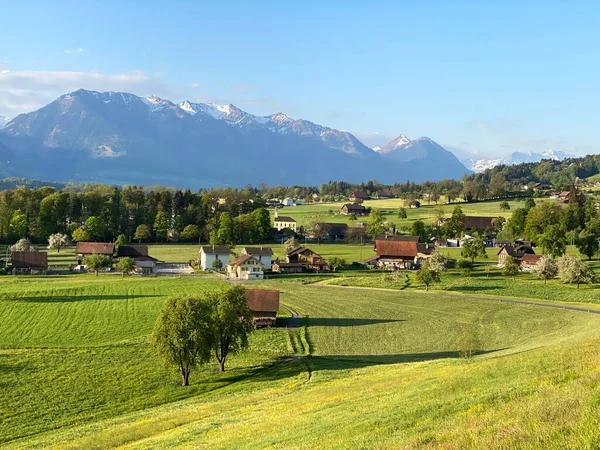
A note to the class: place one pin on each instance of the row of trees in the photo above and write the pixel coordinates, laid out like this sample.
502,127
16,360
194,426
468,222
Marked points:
190,331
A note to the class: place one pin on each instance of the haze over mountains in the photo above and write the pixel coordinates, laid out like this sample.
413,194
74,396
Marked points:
481,164
120,138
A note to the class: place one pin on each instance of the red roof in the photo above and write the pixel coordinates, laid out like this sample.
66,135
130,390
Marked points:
531,260
262,300
102,248
396,248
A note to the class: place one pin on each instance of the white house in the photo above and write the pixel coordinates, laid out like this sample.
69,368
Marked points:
263,254
288,201
283,222
245,267
210,253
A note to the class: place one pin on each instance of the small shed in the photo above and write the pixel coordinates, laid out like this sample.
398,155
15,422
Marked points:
29,263
264,304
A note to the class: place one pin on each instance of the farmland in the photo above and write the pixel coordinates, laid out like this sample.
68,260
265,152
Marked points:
78,372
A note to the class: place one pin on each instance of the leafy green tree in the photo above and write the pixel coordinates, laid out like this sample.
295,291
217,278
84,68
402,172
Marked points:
468,343
161,225
336,262
376,223
553,241
529,203
499,224
95,227
23,245
437,262
121,240
217,264
58,241
226,231
427,276
511,267
142,232
540,218
402,214
18,224
183,334
190,233
96,262
516,224
262,224
352,217
573,270
319,230
546,268
473,248
587,245
504,206
418,229
455,227
230,322
126,265
81,235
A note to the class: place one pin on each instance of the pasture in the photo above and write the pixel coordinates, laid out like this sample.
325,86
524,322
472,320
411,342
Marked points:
77,372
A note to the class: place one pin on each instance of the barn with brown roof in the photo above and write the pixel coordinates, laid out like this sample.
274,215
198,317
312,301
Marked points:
479,223
84,249
264,304
27,263
396,254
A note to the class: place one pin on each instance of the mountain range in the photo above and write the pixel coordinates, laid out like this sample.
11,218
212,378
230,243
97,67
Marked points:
480,165
114,137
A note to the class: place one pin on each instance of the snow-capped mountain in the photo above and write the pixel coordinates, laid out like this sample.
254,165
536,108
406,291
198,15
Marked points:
119,137
480,165
394,144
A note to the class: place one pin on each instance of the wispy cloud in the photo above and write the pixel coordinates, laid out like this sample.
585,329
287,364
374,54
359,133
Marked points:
72,51
195,84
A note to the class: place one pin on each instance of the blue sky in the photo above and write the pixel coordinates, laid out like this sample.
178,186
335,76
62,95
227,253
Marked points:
484,78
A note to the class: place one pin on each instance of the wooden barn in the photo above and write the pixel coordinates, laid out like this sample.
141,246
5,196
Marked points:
264,304
28,263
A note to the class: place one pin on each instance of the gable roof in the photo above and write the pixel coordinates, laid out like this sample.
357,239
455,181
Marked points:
299,250
266,251
101,248
530,259
284,219
425,249
479,223
242,259
384,193
215,250
402,238
354,207
132,251
361,194
517,251
29,260
262,300
396,248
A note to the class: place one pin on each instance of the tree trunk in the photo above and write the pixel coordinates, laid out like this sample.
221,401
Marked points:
57,249
545,281
222,365
185,377
426,287
96,273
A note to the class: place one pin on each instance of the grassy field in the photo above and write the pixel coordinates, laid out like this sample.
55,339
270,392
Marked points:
76,372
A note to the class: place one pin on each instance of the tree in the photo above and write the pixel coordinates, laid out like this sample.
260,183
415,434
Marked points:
190,233
438,216
468,343
142,232
262,224
376,223
473,248
126,265
587,245
455,227
511,267
161,225
182,334
336,262
18,224
81,235
230,322
504,206
553,240
418,229
437,262
573,270
355,233
546,268
499,224
58,240
402,213
427,276
529,203
121,240
319,230
217,264
226,231
95,227
23,245
96,262
290,244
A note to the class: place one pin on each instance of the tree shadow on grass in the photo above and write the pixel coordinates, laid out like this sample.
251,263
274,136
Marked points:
345,322
6,367
474,288
77,298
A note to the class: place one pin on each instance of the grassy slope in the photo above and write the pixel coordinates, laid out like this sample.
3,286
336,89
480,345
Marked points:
380,376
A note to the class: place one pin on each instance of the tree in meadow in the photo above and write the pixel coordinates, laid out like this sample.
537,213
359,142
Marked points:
573,270
511,267
96,262
546,268
142,232
58,241
126,265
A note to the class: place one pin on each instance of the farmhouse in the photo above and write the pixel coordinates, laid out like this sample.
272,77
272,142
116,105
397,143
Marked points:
286,267
139,253
264,255
337,231
84,249
476,223
306,257
210,253
394,254
288,201
29,263
424,251
245,267
354,208
400,238
359,196
541,187
529,261
516,251
264,304
414,204
383,195
283,222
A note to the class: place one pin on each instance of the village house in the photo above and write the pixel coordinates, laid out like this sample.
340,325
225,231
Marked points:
263,254
288,201
529,261
300,258
396,237
516,251
139,254
210,253
394,255
264,304
479,223
283,222
29,263
84,249
542,187
354,209
287,267
383,195
414,204
424,250
245,267
359,196
337,231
